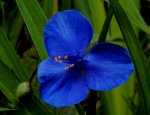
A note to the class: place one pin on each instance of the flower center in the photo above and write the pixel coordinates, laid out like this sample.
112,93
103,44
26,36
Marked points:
72,61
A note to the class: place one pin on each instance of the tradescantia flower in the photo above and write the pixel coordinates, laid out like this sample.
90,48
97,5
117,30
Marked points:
66,77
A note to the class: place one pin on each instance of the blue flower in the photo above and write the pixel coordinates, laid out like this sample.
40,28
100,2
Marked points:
66,77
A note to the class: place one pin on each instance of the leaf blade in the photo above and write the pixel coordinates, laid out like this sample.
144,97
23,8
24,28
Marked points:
135,51
10,57
35,21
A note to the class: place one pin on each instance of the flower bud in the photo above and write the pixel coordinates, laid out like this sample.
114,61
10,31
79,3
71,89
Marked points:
23,90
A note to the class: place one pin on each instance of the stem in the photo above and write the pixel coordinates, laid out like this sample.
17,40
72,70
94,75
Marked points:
93,94
92,103
106,24
79,109
32,76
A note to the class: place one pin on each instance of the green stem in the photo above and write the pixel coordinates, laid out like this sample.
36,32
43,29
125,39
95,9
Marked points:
32,76
79,109
106,24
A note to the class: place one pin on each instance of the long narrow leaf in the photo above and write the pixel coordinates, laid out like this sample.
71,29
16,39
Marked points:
112,101
134,15
135,51
10,57
48,7
35,20
16,29
8,82
82,6
97,14
8,85
5,109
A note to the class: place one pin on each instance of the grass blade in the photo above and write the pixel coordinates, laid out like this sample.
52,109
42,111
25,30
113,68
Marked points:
7,81
79,109
16,29
97,14
10,57
105,27
135,51
131,9
82,6
9,84
35,21
5,109
113,101
48,8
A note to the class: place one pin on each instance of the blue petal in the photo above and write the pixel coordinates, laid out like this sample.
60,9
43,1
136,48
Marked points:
67,33
109,66
59,87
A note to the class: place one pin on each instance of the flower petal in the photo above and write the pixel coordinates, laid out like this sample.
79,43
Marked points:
67,33
59,87
109,66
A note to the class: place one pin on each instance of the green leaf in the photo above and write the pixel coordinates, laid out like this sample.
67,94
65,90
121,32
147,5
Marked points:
80,110
114,30
8,83
82,6
135,50
5,109
35,20
32,105
133,12
106,24
10,57
48,7
113,101
30,60
97,14
16,28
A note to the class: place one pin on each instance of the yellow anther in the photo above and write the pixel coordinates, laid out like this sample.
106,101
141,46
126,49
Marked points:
60,61
65,57
71,65
56,59
59,57
66,68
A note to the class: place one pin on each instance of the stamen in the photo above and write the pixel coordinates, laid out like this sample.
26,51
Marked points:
65,57
60,61
56,59
71,65
59,57
66,68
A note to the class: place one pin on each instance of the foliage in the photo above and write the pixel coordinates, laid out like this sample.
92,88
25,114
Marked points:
21,50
